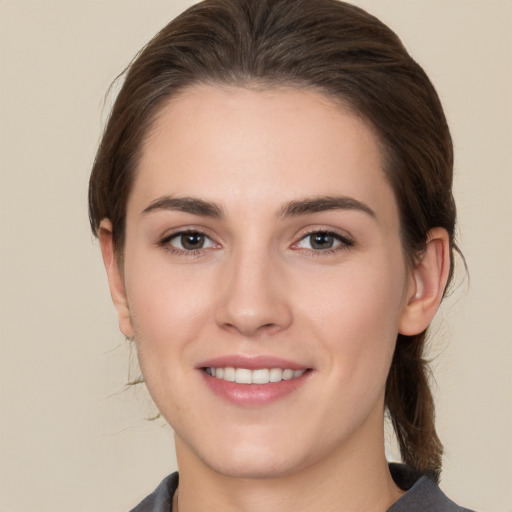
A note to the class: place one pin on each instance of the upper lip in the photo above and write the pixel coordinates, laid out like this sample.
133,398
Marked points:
251,362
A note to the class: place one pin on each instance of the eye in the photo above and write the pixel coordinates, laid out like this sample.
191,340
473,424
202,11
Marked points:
189,241
323,241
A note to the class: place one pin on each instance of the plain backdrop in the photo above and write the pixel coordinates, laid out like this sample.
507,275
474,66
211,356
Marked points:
73,437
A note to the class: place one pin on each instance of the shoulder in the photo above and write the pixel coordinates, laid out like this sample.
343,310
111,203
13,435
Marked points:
160,500
422,494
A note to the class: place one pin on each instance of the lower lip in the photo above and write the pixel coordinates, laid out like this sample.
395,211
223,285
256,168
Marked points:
253,395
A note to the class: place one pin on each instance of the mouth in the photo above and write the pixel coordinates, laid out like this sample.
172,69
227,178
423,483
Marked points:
254,382
256,376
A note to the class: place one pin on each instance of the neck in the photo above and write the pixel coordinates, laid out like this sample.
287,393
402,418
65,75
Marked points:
351,478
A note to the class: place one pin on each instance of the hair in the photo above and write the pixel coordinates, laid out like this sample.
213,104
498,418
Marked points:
344,53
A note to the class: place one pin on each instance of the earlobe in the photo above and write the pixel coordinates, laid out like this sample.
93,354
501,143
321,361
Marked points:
115,278
427,283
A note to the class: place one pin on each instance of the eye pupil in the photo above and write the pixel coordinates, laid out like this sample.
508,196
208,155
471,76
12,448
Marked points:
192,241
321,241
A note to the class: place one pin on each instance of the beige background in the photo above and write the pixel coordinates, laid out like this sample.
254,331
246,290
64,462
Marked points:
72,439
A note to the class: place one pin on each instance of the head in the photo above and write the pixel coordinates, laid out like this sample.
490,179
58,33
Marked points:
326,47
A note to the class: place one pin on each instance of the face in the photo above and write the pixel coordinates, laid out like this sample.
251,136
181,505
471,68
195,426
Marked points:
264,279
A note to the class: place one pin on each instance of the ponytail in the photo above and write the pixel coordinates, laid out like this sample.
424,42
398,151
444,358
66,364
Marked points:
410,406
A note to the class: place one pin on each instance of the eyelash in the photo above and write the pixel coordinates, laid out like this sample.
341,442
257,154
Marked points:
344,243
165,242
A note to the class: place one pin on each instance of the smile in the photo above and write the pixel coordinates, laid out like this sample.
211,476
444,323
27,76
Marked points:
258,376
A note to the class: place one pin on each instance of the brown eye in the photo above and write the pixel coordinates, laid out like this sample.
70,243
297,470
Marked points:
189,241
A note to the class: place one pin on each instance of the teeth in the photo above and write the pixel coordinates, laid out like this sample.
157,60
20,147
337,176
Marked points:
229,374
276,374
287,374
243,376
259,376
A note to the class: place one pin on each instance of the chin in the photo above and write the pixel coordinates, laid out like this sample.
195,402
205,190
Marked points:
248,459
254,466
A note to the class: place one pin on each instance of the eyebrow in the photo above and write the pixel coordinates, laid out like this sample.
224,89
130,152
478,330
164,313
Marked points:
322,204
191,205
196,206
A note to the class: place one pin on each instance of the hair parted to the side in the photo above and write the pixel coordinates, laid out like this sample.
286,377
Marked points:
344,53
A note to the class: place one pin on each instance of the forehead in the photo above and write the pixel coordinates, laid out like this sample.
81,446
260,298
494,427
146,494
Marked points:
233,143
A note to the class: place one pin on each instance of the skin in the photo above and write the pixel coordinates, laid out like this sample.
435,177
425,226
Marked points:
259,287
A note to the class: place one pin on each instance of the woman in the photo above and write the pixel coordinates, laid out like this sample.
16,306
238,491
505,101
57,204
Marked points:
273,200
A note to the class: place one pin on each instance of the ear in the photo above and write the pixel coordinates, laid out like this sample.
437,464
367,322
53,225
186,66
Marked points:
427,283
115,278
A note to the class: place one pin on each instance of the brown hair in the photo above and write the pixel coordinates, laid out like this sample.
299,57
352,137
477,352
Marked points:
345,53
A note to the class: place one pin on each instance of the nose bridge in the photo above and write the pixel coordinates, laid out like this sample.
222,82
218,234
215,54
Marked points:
252,298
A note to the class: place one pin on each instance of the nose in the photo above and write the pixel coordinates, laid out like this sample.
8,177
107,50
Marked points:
253,297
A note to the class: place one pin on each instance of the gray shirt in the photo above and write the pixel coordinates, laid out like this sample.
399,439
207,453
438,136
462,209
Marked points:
422,494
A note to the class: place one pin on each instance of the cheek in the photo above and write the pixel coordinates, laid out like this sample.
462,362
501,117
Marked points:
167,306
168,313
171,307
355,313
